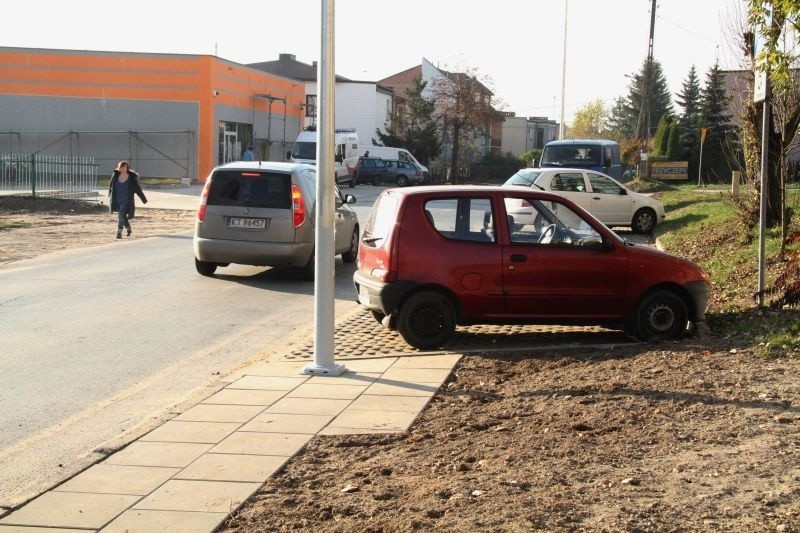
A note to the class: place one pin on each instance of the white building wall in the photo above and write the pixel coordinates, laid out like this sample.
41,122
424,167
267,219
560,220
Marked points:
515,136
359,106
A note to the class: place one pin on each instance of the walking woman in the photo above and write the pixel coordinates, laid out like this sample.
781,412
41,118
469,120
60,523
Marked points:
124,183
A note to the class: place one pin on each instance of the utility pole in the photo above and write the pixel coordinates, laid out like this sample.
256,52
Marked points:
643,124
564,71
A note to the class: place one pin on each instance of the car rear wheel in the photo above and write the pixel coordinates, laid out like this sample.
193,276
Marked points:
307,270
660,315
402,180
204,267
426,320
643,221
350,255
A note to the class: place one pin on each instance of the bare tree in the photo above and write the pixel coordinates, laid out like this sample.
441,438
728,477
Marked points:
465,106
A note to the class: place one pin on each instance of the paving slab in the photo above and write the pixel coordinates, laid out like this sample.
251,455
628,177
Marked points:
37,529
370,365
386,421
146,521
348,378
372,402
317,406
332,392
274,369
251,443
245,397
447,361
286,423
200,496
196,432
402,388
70,510
106,478
220,413
230,467
174,454
421,375
267,383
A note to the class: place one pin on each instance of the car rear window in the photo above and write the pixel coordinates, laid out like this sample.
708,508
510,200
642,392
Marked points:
381,221
248,188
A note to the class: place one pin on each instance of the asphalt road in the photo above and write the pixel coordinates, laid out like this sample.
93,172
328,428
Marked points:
99,346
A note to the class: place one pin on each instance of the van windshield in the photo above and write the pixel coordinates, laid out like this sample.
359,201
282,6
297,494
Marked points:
304,150
572,155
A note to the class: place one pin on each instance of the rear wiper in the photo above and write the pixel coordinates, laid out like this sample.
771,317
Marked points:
370,240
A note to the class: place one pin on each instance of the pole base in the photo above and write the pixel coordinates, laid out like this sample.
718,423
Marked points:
323,370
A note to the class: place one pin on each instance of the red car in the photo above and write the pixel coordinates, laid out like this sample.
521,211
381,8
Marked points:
432,258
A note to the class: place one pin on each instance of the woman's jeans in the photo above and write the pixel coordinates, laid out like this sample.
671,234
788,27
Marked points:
122,219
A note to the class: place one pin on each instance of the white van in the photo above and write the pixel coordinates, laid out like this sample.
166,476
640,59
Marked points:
346,152
390,152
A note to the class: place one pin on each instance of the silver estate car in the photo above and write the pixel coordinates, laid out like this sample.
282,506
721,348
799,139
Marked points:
263,213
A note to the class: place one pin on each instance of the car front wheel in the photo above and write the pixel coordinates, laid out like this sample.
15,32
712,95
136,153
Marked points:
350,255
204,267
660,315
643,221
426,320
402,180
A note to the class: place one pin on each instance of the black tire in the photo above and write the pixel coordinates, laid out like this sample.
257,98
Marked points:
402,180
307,270
376,181
426,320
204,267
644,220
660,315
352,254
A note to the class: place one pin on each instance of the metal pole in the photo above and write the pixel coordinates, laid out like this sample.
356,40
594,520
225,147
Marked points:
700,164
324,260
762,219
564,72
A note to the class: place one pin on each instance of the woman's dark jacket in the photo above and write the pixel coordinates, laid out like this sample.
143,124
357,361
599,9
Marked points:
134,187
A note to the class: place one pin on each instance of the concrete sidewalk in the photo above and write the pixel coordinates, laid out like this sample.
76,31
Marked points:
190,473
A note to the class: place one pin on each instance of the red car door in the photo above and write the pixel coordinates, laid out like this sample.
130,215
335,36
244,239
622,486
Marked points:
564,270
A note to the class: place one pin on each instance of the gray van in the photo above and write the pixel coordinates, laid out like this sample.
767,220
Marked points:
263,213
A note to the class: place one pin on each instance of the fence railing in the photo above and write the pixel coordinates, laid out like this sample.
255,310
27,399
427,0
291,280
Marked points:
54,176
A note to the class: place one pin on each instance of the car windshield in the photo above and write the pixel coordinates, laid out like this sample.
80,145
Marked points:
571,155
304,150
524,178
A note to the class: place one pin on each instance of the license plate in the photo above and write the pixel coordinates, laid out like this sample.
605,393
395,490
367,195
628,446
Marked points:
363,295
247,223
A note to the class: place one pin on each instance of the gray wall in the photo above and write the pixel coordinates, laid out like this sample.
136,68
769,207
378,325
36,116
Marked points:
164,143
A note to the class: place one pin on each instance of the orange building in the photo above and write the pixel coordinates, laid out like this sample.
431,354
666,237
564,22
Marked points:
171,115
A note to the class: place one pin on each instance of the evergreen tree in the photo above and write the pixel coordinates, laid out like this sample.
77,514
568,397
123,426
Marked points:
413,127
674,144
688,99
714,117
662,135
628,115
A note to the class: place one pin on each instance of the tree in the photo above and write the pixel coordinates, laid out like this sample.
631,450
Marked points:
688,99
464,105
590,121
629,116
662,135
714,118
673,144
412,125
781,64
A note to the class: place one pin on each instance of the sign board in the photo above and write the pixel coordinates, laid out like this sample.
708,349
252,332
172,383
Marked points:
760,82
670,170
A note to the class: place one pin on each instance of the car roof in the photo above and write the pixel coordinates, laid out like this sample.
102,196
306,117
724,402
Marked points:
264,165
581,141
564,169
455,190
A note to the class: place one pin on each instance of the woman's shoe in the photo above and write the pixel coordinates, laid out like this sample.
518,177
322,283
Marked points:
119,235
129,232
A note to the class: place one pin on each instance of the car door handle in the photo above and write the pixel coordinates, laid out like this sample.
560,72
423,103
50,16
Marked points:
596,197
518,258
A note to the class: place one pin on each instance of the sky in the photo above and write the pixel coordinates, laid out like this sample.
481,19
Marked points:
517,45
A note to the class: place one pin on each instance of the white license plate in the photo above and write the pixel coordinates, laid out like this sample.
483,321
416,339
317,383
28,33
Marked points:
363,296
247,223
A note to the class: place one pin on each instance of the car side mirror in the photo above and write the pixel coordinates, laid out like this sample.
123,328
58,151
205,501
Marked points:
349,199
339,158
288,155
623,192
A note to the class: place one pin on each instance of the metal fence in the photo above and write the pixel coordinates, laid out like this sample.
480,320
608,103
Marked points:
53,176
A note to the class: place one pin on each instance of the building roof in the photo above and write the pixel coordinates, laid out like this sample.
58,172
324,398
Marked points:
288,66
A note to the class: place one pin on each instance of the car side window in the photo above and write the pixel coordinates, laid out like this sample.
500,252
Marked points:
603,185
568,182
538,222
462,219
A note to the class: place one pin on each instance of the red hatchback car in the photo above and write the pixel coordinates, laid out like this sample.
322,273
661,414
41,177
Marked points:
432,258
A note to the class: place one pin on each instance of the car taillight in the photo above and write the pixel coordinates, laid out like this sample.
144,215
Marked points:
298,207
201,211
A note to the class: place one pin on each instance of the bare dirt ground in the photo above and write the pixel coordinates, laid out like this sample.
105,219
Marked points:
695,435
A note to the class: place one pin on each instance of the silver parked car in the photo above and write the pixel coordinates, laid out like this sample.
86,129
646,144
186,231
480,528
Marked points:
263,213
603,196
